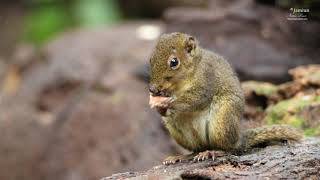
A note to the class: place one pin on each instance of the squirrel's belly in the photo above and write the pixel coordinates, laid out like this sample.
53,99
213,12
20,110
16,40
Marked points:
190,130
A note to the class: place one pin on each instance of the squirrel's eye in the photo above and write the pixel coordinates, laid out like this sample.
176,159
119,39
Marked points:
174,63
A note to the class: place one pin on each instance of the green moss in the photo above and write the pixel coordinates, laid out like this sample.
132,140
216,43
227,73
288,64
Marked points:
295,121
309,131
260,88
312,131
287,112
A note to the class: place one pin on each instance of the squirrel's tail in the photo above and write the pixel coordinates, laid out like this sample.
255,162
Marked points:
267,135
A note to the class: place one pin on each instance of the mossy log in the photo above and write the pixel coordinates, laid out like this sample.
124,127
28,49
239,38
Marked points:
296,161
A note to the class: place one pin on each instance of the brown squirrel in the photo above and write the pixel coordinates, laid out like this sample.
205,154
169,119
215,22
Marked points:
201,101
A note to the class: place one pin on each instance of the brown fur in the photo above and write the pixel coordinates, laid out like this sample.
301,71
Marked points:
207,98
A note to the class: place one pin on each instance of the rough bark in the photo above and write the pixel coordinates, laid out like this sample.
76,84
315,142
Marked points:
296,161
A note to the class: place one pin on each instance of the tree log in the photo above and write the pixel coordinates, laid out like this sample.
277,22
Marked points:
295,161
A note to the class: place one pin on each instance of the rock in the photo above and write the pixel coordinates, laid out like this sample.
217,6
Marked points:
297,161
307,75
257,95
296,103
23,140
258,88
98,137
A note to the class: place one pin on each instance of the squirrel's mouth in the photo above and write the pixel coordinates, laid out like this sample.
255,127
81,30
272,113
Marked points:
161,103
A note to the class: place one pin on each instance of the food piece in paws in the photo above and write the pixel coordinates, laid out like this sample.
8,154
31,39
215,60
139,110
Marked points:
159,101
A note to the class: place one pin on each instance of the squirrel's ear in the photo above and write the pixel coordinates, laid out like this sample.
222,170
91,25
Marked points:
191,45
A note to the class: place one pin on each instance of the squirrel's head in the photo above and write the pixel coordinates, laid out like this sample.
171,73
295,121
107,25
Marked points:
172,63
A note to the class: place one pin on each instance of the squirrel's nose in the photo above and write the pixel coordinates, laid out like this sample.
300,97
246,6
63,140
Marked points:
154,91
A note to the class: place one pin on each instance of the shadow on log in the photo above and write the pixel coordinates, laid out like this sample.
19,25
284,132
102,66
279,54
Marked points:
297,161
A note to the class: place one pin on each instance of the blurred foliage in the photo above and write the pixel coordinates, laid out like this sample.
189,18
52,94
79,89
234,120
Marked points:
43,23
96,12
47,18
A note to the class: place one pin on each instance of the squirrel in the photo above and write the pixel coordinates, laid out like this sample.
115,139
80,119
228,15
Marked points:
201,101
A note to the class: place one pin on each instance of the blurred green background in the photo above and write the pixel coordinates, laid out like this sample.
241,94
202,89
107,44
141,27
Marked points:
46,18
43,19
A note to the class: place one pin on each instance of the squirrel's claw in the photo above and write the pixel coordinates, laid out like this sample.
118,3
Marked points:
194,157
207,155
171,160
204,156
